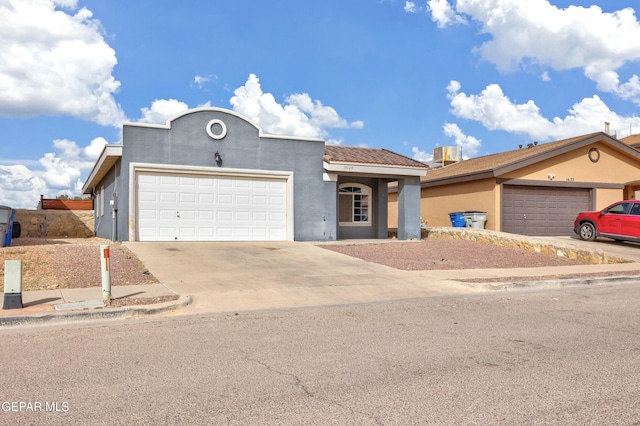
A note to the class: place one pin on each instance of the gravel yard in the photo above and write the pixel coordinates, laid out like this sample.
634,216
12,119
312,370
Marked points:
52,263
447,254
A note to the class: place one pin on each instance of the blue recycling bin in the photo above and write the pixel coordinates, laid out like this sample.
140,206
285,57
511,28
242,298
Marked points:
457,220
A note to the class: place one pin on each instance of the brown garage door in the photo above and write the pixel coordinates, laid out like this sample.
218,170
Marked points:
534,210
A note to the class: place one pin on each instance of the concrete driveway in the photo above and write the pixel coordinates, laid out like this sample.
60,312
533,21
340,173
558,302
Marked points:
624,250
237,276
227,277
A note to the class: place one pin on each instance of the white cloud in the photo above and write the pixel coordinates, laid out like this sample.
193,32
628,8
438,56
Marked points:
410,7
21,188
56,63
161,110
545,76
470,145
299,116
423,156
443,14
94,149
200,80
58,172
535,32
496,111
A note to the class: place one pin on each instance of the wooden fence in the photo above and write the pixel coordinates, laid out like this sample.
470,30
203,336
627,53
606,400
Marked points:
55,204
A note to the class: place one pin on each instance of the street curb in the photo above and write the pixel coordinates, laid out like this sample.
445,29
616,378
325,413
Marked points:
565,282
100,313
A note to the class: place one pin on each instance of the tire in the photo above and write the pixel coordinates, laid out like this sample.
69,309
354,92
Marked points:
16,231
587,231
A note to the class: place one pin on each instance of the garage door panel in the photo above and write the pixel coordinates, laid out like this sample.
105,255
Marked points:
148,196
164,214
242,216
148,214
166,180
166,232
242,199
205,199
276,217
259,216
206,215
210,208
542,211
224,199
261,200
186,215
186,232
276,200
205,233
167,197
187,197
224,233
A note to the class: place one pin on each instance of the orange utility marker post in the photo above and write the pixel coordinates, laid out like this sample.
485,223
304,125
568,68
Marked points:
106,272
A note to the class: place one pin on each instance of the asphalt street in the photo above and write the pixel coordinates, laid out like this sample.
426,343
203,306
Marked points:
562,356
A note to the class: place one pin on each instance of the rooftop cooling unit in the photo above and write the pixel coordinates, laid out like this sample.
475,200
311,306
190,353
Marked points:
447,154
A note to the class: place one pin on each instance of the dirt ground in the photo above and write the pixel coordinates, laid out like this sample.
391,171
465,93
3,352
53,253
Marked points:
52,263
448,254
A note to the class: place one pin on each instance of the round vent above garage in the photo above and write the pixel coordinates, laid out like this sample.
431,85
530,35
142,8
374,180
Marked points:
216,129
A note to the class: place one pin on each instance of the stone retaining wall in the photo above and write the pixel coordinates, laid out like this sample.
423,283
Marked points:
538,245
55,223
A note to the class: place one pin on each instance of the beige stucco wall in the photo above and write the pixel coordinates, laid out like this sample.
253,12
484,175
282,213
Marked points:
439,201
392,213
605,197
575,166
55,223
436,203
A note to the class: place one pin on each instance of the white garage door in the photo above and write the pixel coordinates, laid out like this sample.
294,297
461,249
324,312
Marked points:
210,208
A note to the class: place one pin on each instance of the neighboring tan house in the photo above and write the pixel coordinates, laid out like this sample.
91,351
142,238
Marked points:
210,174
632,140
535,190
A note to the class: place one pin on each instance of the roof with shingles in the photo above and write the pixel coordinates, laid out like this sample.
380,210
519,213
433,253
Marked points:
352,154
496,164
633,140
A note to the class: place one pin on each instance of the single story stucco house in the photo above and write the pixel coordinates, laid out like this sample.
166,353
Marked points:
537,189
210,174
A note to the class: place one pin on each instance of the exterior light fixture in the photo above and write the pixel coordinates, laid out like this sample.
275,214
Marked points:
218,159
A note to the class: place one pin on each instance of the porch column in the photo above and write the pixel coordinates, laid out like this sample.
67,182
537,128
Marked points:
382,209
409,208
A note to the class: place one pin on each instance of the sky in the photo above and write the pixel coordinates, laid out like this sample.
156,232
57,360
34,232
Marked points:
409,76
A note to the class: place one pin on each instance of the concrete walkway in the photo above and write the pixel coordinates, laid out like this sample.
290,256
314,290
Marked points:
233,277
